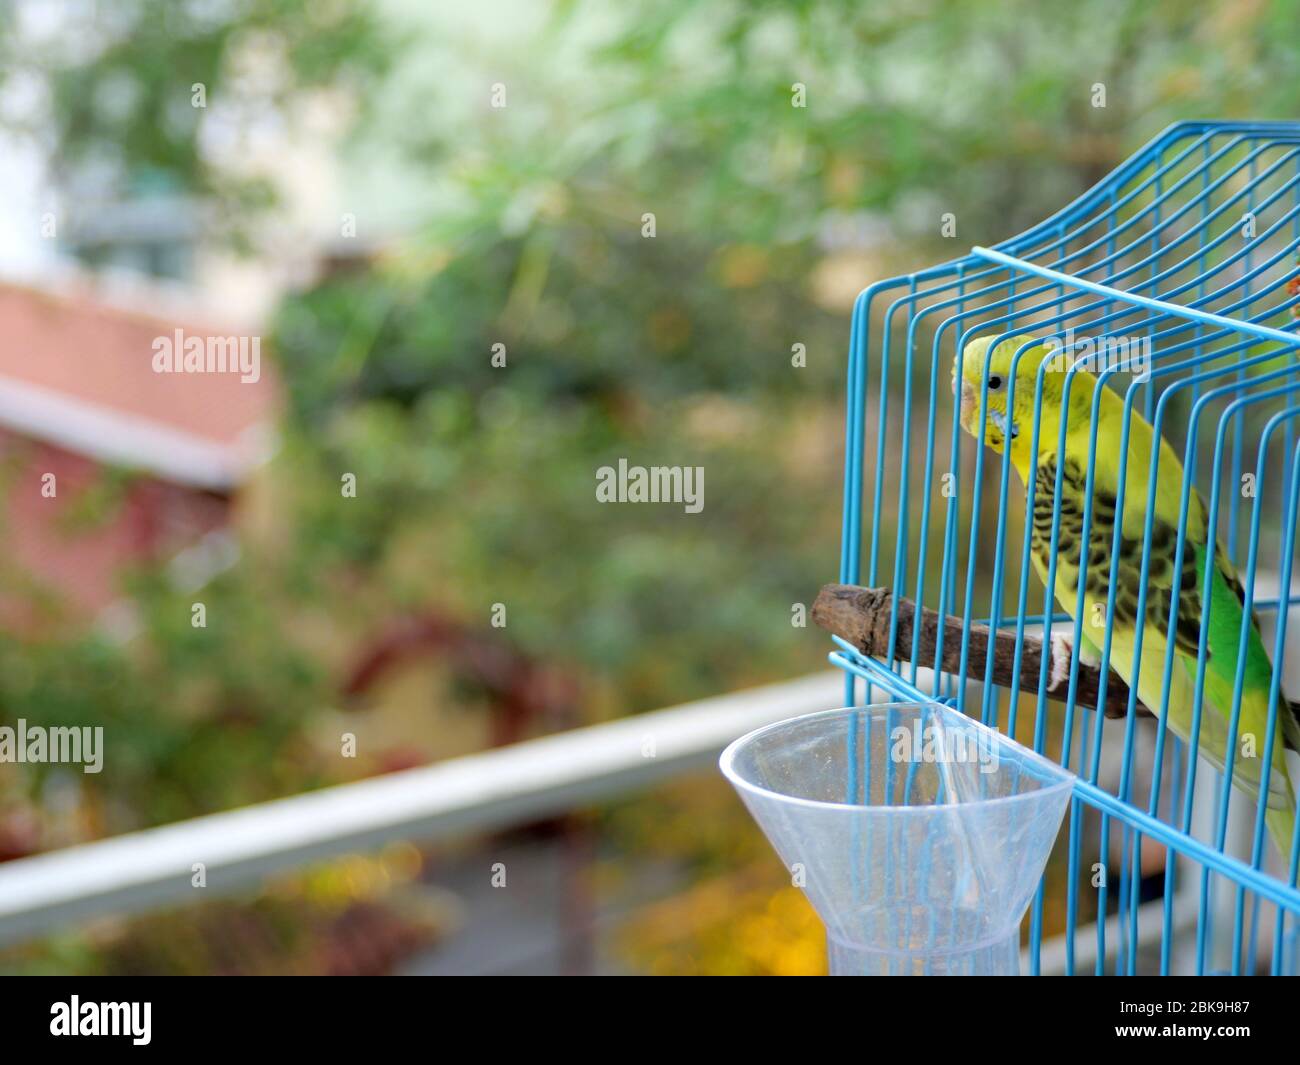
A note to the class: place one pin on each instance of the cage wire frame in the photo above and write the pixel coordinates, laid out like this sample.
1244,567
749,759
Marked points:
1191,246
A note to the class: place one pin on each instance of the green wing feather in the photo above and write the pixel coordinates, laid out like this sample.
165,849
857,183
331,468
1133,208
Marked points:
1163,595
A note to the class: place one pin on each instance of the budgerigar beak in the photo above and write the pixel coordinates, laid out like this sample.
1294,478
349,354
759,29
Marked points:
1000,420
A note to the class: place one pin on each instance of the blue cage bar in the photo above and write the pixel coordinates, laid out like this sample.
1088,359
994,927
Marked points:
1192,247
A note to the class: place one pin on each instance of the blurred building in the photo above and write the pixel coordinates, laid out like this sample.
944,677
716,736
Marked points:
105,461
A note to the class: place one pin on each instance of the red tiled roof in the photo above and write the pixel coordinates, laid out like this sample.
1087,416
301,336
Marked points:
78,348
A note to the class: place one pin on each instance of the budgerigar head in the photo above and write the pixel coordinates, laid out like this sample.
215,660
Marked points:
978,363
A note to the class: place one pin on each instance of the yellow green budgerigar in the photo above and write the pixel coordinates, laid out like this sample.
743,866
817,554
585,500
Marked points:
1166,590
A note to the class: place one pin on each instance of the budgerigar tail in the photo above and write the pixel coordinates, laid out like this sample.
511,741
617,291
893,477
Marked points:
1281,826
1281,822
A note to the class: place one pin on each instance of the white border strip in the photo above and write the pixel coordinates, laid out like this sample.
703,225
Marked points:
119,438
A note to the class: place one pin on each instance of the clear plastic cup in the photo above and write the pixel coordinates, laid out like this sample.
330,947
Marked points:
918,834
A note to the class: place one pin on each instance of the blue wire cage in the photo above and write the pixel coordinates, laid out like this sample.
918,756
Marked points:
1190,246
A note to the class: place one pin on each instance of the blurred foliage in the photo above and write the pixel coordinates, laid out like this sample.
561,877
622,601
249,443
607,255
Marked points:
620,345
743,924
738,914
358,916
476,483
108,90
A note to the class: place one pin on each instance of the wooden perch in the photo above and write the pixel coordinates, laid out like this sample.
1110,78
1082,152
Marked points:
861,616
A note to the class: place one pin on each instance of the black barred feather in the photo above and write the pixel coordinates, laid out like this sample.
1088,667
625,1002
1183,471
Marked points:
1161,590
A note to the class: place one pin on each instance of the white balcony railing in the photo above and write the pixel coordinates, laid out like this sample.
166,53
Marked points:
492,790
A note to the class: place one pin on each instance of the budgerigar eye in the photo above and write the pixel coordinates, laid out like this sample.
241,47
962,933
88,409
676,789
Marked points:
995,383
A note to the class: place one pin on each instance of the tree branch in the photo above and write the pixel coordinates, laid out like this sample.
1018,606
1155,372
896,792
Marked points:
861,616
